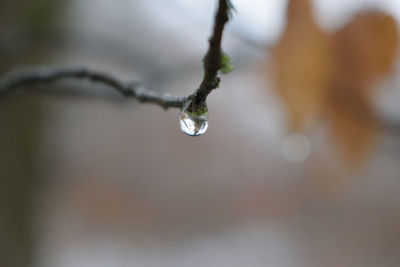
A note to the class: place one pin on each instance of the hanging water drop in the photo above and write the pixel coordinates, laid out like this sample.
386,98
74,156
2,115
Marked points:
194,120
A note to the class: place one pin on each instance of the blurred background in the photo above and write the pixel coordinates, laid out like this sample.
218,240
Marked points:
299,166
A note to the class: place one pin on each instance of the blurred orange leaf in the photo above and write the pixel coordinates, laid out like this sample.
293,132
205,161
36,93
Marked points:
301,61
332,75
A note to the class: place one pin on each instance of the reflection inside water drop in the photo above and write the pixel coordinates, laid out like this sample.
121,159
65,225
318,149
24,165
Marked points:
194,121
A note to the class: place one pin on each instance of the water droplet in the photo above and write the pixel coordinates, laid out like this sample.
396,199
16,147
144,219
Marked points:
194,120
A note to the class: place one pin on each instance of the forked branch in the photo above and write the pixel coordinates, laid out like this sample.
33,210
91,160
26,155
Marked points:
27,77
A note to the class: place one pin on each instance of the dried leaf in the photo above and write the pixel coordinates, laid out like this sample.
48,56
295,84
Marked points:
301,65
317,74
365,50
353,124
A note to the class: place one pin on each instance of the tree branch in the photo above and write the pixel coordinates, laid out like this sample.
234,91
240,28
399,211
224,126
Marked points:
212,60
212,64
32,76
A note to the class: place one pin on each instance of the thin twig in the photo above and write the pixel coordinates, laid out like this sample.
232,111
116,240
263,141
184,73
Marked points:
212,60
32,76
212,63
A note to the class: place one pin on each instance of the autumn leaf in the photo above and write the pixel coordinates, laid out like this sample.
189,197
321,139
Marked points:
333,76
301,65
364,51
353,123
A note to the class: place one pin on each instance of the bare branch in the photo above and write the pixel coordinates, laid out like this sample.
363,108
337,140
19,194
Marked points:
32,76
212,64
